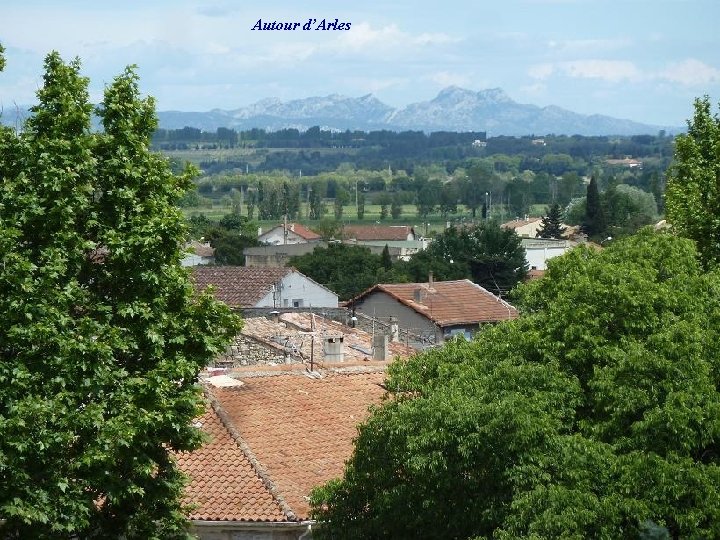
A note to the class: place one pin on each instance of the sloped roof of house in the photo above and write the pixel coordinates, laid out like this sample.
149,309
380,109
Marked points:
239,286
517,223
298,229
378,232
448,303
273,439
200,249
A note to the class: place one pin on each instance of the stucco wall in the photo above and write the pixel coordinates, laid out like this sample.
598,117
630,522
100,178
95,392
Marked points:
296,287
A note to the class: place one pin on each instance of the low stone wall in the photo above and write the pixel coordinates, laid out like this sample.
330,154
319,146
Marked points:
246,351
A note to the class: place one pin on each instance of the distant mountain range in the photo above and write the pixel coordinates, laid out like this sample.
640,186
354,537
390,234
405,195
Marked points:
453,109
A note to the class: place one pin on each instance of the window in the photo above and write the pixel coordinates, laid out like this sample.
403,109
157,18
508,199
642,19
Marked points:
297,302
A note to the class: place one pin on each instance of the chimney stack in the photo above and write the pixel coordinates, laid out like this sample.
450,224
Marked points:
430,278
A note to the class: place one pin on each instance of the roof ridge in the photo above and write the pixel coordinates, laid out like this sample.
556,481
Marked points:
254,462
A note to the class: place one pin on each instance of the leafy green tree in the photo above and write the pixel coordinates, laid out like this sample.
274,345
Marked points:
342,197
692,198
594,224
102,336
361,206
593,415
492,257
448,200
428,198
628,208
552,226
229,247
384,200
344,269
396,206
474,187
317,206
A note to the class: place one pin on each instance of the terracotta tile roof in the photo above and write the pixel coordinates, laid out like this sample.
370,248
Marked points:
292,433
449,303
377,232
238,286
224,486
295,328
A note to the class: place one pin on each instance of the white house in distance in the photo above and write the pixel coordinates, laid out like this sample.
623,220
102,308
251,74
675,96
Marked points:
259,287
198,253
290,233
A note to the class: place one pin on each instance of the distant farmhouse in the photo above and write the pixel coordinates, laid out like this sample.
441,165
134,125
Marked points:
290,233
430,313
279,255
250,287
402,237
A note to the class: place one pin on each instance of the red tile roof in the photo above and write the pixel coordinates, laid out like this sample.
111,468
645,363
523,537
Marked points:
274,439
449,303
224,486
239,286
377,232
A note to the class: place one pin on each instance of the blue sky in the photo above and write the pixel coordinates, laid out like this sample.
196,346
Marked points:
645,60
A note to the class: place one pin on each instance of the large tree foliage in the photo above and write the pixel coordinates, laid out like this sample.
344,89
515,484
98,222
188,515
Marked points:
596,414
101,336
489,255
692,198
347,270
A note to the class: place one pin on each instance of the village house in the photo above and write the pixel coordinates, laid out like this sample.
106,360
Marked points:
288,233
430,313
400,237
538,251
249,287
198,253
526,227
273,437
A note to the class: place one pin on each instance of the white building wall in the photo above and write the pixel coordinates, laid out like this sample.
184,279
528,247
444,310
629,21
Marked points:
275,237
296,290
537,257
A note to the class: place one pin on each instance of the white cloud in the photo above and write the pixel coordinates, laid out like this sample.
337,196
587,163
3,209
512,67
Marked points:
541,71
445,78
363,36
584,46
690,72
608,70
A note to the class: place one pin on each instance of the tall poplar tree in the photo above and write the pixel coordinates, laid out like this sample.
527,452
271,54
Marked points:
692,198
101,334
